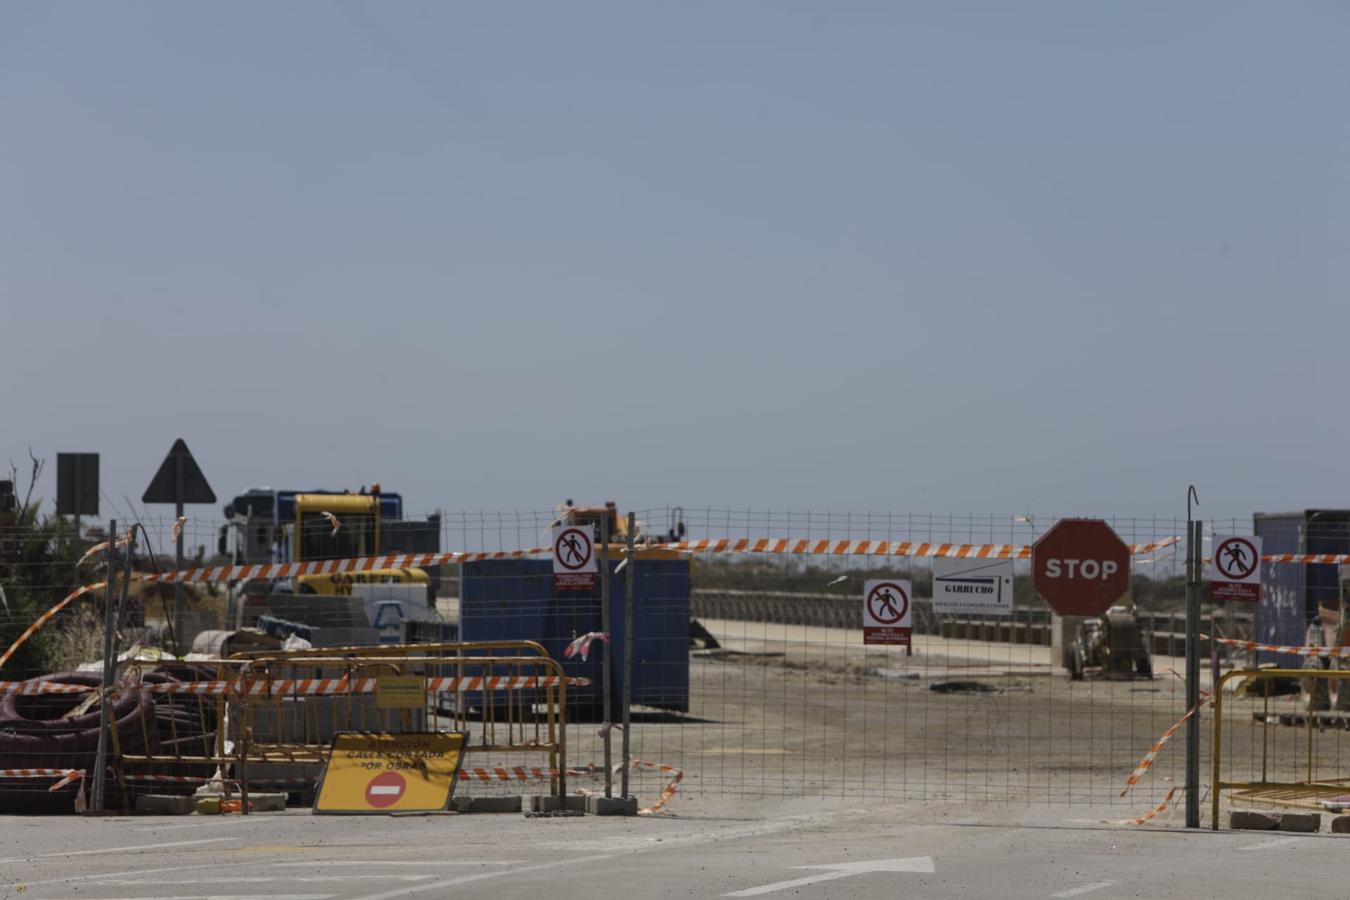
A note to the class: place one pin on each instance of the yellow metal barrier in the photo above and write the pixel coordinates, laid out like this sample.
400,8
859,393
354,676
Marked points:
270,716
1310,785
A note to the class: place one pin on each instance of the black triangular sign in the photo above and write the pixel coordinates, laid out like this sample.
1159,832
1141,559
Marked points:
164,486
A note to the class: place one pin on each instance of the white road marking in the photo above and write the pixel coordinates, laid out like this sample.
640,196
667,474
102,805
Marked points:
159,846
784,885
218,897
68,878
921,864
1085,889
1266,845
481,876
256,879
695,836
395,862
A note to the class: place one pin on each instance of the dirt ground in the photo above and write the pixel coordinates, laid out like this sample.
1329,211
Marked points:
813,713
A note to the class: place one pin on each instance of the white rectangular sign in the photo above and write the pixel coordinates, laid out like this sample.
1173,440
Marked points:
972,587
887,612
574,562
1234,569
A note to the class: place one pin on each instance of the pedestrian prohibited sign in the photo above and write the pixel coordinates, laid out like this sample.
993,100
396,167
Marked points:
1236,569
887,617
574,563
388,772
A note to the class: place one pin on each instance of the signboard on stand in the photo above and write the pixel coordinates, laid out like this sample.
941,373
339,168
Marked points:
972,587
887,612
383,772
1235,573
574,562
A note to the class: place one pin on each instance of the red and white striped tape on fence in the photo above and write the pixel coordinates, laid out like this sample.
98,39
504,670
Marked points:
1154,812
1331,652
265,571
582,644
1147,762
810,547
307,687
66,776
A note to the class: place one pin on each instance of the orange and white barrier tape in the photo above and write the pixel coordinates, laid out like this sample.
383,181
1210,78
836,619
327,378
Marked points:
1153,813
267,571
66,776
582,644
874,548
47,617
1331,652
667,792
308,687
1147,762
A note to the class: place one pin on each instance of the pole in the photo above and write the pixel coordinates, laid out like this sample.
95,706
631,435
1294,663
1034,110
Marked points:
1195,530
604,649
179,603
105,702
629,583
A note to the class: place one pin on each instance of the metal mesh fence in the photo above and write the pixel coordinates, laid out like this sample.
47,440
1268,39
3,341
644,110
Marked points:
749,672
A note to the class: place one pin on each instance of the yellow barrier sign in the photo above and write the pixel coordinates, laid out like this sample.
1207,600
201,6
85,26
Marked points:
388,772
401,692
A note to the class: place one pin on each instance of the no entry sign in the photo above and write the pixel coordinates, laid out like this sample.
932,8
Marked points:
1080,567
574,562
887,616
1236,573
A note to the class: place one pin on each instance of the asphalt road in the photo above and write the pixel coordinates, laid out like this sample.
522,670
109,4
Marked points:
791,850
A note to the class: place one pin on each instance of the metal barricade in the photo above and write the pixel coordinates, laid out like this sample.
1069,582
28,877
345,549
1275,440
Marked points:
1315,768
268,718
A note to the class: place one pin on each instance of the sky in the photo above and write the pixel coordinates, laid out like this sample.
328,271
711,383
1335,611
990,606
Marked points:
1046,257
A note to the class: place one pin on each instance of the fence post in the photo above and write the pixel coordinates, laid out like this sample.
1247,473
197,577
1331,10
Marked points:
604,648
109,668
1193,571
629,582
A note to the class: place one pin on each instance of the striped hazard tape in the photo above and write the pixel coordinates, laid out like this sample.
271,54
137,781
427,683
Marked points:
667,792
66,776
1330,652
1154,812
876,548
1147,762
307,687
266,571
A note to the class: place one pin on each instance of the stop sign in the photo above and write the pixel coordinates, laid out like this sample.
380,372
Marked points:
1080,567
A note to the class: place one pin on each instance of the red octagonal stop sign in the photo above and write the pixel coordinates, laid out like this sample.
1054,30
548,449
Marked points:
1080,567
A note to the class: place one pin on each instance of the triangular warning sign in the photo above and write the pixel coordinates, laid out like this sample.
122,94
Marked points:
179,468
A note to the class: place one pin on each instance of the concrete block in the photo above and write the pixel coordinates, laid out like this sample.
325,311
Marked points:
267,802
488,804
1306,823
611,806
546,803
164,805
1340,825
1253,821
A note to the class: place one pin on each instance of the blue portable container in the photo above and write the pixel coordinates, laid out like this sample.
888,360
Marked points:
514,599
1292,592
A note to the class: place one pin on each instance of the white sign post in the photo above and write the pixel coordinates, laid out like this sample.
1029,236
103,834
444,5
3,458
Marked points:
888,615
973,587
574,562
1235,573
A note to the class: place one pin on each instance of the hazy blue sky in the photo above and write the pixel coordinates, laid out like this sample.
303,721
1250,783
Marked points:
952,257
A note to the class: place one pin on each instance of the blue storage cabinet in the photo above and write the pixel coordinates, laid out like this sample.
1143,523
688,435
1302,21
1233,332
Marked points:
514,599
1290,592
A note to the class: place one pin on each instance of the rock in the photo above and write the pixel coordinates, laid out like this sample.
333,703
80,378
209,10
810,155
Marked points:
1253,821
164,804
1301,822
